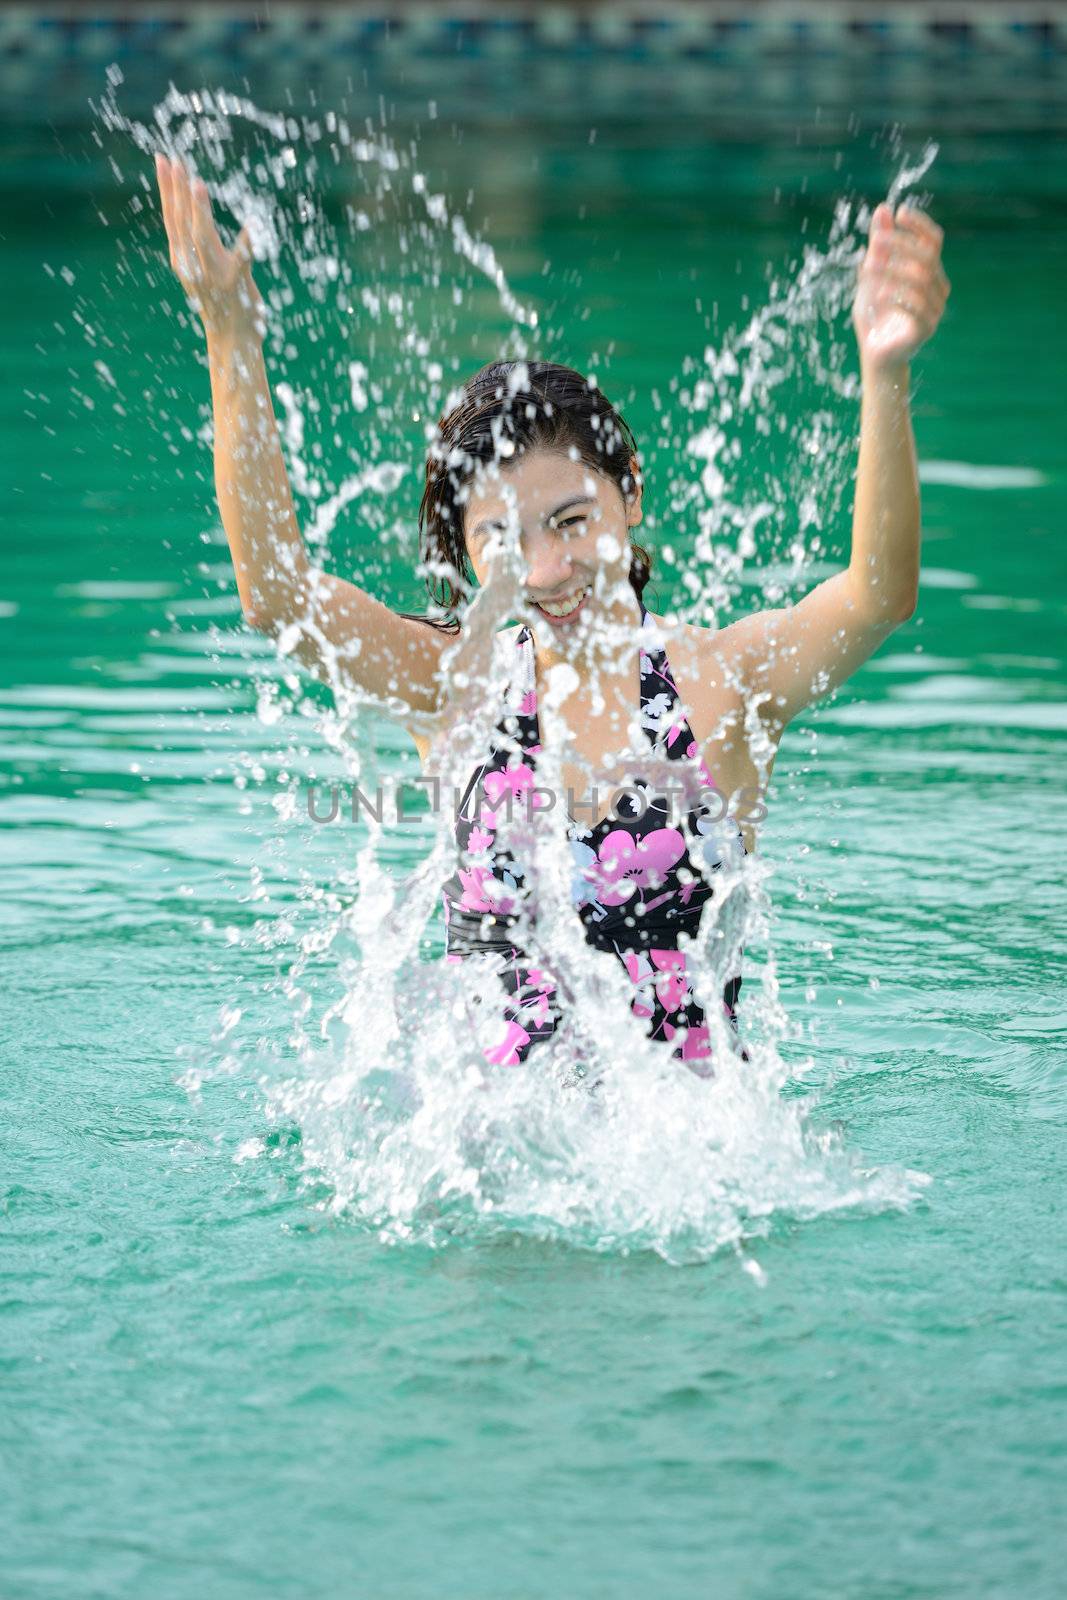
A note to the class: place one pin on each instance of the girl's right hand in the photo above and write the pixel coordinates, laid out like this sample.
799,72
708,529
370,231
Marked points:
506,579
218,281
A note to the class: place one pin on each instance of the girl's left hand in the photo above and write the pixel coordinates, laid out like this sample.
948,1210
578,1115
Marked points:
902,287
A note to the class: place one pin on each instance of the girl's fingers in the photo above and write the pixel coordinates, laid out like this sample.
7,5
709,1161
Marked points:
205,234
881,219
910,247
920,276
916,222
897,287
912,270
163,180
183,243
909,241
166,195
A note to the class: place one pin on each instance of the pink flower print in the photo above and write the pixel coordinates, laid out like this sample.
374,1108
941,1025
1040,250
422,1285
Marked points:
639,968
509,782
540,980
637,965
672,988
528,704
695,1046
626,864
478,840
693,752
484,892
473,881
538,1007
505,1053
503,787
583,874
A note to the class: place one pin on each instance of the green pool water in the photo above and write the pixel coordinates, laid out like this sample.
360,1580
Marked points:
209,1384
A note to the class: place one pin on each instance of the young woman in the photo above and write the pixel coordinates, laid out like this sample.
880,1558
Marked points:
532,494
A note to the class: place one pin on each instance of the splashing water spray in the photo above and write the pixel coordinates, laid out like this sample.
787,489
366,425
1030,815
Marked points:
601,1139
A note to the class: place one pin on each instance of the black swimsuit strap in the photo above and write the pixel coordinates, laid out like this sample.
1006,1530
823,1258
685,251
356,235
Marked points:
526,638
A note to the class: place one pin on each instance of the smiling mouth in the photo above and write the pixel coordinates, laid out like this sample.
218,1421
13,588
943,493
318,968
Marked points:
561,610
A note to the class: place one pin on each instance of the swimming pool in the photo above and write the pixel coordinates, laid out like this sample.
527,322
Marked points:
212,1383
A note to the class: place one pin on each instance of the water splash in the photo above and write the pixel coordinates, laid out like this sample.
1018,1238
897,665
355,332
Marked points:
776,377
600,1140
908,176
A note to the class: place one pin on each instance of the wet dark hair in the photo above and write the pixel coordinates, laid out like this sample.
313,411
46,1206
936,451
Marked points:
532,405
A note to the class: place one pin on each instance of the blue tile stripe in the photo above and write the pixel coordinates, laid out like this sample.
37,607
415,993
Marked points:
37,34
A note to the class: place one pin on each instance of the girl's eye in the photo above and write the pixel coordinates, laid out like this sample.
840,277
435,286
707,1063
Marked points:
571,522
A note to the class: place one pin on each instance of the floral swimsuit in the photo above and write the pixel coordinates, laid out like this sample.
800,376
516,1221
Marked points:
640,877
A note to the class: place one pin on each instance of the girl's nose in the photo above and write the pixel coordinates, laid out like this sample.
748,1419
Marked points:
548,566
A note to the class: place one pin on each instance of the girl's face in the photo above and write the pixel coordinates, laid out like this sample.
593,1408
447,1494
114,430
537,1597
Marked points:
573,527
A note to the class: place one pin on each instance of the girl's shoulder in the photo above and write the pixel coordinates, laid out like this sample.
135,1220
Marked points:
684,642
700,643
704,659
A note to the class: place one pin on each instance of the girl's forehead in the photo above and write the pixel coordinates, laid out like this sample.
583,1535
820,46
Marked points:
535,475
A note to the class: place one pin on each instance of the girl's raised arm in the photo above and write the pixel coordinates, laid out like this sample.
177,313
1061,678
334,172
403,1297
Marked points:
334,628
793,656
